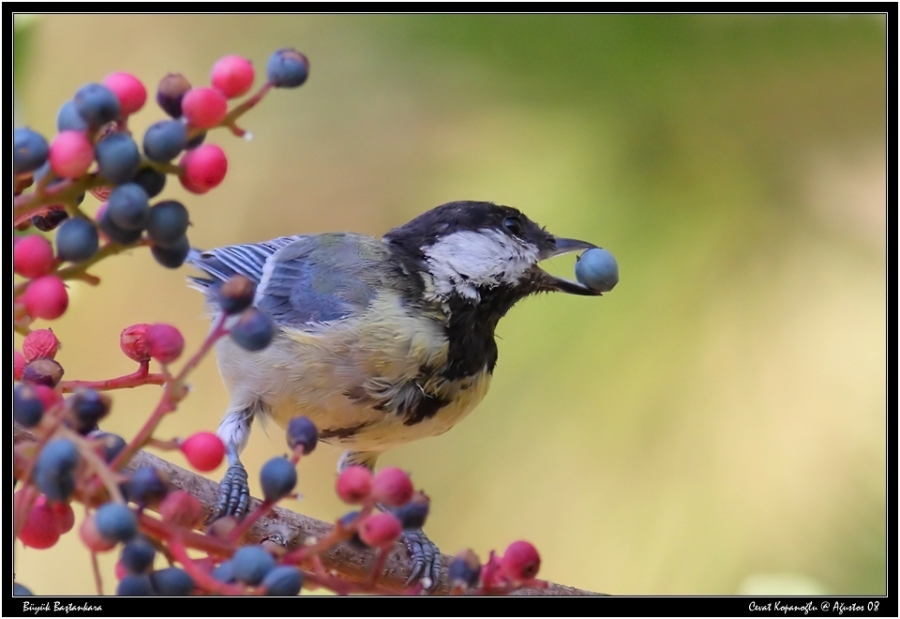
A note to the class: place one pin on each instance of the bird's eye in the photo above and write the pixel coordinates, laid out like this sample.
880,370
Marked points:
513,224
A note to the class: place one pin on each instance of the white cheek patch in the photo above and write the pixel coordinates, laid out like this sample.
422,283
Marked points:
463,261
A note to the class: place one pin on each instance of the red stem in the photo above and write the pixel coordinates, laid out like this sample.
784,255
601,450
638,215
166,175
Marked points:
138,378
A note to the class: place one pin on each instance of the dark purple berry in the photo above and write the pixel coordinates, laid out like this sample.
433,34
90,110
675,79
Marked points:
115,233
174,256
30,150
49,220
253,331
287,68
236,294
135,584
465,569
195,141
137,555
168,223
147,486
302,431
43,372
413,514
76,240
87,407
27,406
164,140
172,581
68,118
283,580
277,478
128,207
251,564
118,158
96,104
170,92
115,522
152,181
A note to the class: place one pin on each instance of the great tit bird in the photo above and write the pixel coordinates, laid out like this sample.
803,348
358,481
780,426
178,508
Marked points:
379,341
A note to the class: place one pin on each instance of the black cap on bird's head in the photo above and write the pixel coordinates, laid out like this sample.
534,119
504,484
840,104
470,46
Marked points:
482,252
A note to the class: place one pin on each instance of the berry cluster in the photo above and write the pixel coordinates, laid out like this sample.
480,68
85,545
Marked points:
62,456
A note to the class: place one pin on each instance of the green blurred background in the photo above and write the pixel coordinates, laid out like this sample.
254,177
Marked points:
716,424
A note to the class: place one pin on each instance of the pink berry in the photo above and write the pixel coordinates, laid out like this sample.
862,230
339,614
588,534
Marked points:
166,342
41,529
128,90
204,168
48,396
91,537
71,154
40,344
120,570
354,484
181,509
33,256
392,487
204,451
46,297
380,530
134,343
65,516
204,107
18,365
232,76
521,561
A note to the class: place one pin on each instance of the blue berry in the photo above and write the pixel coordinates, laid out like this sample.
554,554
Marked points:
236,295
87,407
168,223
111,444
147,486
251,564
283,580
413,514
253,331
174,256
115,233
152,181
224,572
27,407
597,269
54,469
56,486
76,240
30,150
164,140
68,118
465,569
277,478
302,431
138,555
115,522
172,581
135,584
128,207
96,104
118,158
287,68
21,589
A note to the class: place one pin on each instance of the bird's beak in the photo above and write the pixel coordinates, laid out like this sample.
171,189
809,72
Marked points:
551,282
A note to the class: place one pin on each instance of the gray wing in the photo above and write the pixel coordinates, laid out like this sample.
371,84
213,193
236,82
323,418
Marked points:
302,280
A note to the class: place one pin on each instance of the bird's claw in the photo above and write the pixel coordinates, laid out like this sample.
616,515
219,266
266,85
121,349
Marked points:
426,559
234,494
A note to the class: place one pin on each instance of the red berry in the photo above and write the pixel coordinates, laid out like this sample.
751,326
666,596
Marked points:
204,168
166,342
46,297
232,76
120,570
33,256
204,107
181,509
128,90
71,154
41,529
134,342
521,561
380,530
392,487
65,516
40,344
91,537
203,450
47,395
354,484
18,365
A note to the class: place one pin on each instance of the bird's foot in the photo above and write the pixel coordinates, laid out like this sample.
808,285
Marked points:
426,559
234,494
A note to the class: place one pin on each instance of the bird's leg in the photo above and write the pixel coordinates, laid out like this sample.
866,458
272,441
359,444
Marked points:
424,554
234,491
